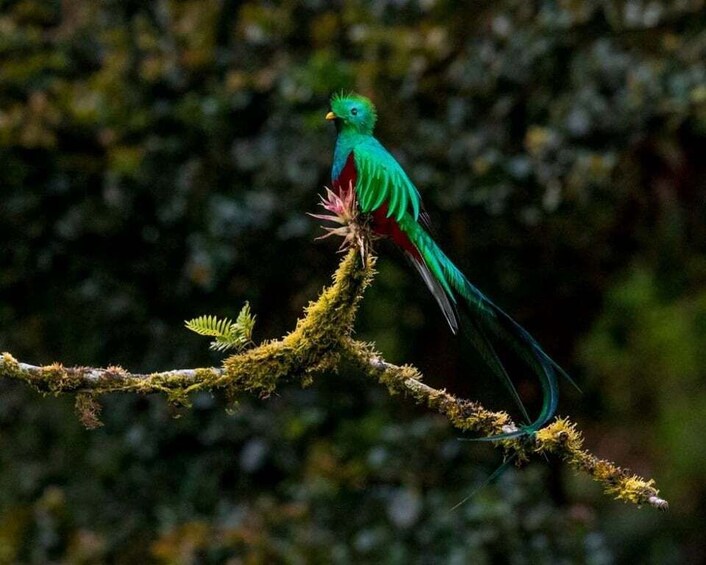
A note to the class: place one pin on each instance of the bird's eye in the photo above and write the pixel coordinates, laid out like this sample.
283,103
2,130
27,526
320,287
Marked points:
354,111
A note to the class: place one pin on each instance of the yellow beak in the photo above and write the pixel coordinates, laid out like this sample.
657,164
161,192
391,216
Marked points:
330,116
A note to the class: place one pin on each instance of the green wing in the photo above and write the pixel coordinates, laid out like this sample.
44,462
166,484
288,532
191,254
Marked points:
381,180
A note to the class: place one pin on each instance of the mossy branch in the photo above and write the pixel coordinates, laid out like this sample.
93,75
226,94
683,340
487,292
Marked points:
320,341
560,438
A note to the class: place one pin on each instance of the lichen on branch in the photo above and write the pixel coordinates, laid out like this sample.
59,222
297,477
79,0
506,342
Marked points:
320,342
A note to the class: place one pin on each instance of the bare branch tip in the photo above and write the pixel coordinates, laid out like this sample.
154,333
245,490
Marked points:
658,503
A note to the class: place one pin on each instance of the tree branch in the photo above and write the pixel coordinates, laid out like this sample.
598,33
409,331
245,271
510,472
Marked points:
320,341
560,438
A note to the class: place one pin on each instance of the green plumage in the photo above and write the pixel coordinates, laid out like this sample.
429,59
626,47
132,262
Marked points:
380,178
379,181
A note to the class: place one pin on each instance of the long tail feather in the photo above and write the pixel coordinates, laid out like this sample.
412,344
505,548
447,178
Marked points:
471,329
478,337
437,291
494,475
487,318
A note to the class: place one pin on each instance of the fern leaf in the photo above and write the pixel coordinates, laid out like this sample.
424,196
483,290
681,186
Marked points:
209,325
226,333
245,322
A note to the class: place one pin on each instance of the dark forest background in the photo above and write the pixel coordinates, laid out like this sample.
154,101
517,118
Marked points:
157,160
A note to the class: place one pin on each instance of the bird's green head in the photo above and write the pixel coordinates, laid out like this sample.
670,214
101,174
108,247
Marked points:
352,112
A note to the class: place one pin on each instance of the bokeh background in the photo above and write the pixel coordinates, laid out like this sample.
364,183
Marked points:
157,160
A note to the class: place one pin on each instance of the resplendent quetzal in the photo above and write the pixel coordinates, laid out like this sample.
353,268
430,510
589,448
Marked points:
384,191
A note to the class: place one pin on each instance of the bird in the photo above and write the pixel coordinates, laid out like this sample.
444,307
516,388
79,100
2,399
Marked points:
392,206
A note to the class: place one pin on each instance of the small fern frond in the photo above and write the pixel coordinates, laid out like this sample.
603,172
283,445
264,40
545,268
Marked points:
226,333
209,325
246,322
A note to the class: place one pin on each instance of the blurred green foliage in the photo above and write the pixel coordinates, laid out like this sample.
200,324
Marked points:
156,162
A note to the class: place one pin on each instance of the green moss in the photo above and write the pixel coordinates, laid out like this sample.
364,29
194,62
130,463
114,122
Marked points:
179,398
313,346
10,366
633,489
559,437
66,379
54,378
208,376
88,410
